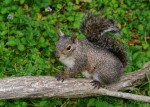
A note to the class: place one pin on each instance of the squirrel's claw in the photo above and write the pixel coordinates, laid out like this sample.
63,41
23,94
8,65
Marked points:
96,84
59,77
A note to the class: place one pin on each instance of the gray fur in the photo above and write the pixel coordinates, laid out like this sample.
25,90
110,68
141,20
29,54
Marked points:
96,61
99,56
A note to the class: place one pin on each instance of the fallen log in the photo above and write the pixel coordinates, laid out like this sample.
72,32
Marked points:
48,86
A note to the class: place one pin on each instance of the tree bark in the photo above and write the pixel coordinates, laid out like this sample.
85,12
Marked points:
47,86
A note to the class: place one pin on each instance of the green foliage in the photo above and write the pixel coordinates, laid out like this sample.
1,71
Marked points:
28,36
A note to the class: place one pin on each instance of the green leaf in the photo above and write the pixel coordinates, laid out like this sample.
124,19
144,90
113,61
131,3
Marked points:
76,25
76,7
11,43
1,18
42,40
24,104
139,64
145,46
77,1
136,56
14,7
91,102
136,48
22,1
4,10
43,103
7,1
59,6
21,47
4,32
103,104
148,53
2,103
70,18
140,27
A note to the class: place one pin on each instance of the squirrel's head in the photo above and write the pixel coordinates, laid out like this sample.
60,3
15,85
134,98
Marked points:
65,46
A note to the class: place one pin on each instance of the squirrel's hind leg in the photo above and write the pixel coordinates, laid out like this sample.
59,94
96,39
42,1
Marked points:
97,82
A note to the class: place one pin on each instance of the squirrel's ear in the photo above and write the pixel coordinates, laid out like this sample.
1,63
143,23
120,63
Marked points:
74,38
60,33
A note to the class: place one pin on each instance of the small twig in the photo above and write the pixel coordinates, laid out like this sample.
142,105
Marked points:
59,9
125,95
145,38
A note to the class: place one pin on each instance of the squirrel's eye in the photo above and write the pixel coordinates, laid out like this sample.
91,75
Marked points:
69,47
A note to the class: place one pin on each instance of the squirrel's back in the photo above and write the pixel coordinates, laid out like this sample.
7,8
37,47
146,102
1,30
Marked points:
101,63
99,31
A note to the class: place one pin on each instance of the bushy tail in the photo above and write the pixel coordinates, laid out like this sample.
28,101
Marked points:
99,30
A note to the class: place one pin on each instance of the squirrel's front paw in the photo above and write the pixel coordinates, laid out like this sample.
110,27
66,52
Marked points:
60,77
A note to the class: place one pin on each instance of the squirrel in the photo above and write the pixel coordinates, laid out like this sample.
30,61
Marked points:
99,56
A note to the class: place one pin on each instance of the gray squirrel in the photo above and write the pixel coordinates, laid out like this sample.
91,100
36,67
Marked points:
99,56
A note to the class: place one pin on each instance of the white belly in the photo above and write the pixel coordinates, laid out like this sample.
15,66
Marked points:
68,61
91,76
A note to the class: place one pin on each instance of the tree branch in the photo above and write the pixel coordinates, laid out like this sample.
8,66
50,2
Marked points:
47,86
